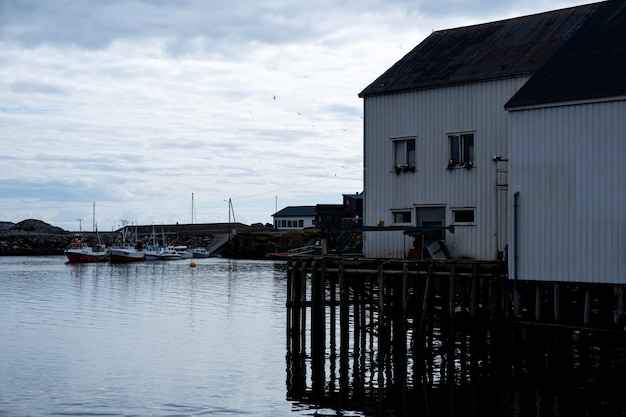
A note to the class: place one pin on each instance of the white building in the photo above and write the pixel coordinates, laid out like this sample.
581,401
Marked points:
436,132
294,217
567,152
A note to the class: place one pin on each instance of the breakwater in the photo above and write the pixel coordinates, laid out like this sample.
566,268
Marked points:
25,244
244,242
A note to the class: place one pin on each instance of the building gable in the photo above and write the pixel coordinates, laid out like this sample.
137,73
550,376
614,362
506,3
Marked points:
493,50
591,65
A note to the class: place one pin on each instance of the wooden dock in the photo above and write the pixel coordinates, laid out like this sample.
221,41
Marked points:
360,329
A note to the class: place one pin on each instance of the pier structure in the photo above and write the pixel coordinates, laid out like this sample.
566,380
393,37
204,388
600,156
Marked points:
379,331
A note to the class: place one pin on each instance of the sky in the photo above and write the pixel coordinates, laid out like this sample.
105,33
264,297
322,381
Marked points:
203,111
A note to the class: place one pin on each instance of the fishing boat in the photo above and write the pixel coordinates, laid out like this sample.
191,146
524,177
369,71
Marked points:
160,251
126,248
183,251
200,252
80,251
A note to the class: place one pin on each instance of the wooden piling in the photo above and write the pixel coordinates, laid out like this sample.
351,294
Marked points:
373,315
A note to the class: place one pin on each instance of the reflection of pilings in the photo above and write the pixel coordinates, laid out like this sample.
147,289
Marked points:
366,330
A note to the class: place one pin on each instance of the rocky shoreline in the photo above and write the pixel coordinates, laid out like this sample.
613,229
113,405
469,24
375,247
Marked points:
36,238
33,245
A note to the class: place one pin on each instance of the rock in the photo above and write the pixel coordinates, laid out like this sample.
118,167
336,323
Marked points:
37,226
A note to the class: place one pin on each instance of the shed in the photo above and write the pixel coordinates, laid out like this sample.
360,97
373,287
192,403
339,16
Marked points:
567,146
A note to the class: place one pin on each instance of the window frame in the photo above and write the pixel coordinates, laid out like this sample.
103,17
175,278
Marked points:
463,222
461,149
407,155
403,212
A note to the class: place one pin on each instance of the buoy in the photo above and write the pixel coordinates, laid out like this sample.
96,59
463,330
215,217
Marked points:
192,264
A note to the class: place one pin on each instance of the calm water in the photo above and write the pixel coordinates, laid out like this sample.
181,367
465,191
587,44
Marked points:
158,339
164,339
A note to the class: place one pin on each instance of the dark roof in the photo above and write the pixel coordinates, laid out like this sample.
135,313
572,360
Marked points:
592,64
296,211
492,50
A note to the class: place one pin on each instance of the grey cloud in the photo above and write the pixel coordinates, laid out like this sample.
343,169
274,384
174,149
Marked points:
32,87
223,24
95,24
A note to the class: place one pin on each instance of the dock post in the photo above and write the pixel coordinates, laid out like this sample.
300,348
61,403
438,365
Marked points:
587,313
452,296
382,331
344,329
538,301
474,293
618,316
425,302
557,302
318,331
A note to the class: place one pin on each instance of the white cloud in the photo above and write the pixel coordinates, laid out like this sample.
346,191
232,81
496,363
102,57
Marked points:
136,105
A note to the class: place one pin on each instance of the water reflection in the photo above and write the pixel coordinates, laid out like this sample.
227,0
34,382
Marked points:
142,339
351,362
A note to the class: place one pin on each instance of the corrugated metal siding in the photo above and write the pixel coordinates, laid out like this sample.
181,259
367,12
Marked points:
568,164
429,116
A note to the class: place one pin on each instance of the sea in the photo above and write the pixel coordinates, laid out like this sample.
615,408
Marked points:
167,338
143,339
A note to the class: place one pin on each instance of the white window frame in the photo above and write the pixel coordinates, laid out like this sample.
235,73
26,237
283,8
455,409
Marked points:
463,222
402,212
404,153
461,153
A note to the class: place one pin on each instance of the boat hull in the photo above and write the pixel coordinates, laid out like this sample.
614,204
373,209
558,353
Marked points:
83,257
125,256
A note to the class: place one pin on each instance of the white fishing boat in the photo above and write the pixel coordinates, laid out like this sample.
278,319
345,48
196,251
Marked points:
160,251
183,251
200,252
124,250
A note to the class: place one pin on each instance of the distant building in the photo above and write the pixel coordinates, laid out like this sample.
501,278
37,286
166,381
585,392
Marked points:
294,217
330,218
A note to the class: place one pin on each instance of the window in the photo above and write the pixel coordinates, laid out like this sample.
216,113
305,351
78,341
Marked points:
404,154
461,150
463,216
403,216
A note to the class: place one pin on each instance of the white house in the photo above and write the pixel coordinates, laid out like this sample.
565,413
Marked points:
567,159
435,133
294,217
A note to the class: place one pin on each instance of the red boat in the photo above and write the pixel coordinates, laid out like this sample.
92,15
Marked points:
80,251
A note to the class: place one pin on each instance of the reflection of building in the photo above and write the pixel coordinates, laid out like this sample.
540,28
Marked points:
294,217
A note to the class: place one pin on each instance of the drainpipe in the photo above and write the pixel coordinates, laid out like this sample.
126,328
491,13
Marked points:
515,232
517,308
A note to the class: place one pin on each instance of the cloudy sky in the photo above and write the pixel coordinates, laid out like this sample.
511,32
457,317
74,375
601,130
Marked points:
135,105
